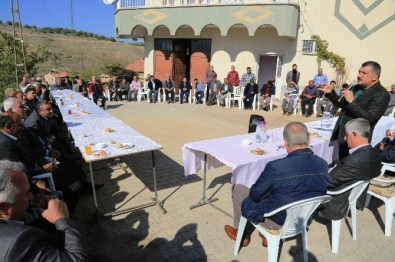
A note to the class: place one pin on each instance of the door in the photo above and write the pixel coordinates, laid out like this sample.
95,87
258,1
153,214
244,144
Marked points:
267,69
182,60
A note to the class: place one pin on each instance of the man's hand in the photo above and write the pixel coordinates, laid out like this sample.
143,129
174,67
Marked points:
389,134
49,167
327,89
56,210
348,95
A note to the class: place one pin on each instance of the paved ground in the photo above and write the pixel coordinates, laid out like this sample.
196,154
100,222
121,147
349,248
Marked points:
197,235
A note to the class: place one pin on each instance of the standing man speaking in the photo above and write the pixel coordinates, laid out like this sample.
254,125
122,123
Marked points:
368,100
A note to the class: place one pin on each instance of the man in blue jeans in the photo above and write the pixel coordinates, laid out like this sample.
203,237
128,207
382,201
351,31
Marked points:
300,175
199,91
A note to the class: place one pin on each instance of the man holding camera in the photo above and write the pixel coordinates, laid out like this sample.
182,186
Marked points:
19,242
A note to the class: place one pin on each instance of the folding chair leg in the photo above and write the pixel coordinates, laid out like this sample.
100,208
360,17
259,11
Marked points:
389,211
336,235
353,210
240,232
305,248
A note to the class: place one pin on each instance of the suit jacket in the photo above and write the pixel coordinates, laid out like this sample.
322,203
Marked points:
370,105
289,77
158,84
230,88
363,164
38,126
388,153
298,176
25,243
9,149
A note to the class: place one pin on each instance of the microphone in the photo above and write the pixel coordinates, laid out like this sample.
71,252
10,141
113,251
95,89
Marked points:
352,84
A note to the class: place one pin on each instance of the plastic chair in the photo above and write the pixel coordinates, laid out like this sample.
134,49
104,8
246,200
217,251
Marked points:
356,190
144,91
295,223
387,195
258,103
49,177
236,96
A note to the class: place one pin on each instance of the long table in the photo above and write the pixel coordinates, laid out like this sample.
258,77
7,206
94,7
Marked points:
246,166
87,124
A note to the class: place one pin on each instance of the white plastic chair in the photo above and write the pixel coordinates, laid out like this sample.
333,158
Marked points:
314,107
236,96
388,199
192,98
144,91
295,223
49,177
356,190
258,103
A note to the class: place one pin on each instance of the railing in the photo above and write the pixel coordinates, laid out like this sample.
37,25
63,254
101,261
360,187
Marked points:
167,3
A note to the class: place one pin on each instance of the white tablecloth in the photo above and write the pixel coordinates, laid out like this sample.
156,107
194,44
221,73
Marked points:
87,123
246,166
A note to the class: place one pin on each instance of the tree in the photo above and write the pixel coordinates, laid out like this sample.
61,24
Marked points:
7,63
335,60
118,71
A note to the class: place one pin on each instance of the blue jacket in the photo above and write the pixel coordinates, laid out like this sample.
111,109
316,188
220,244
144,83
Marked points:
300,175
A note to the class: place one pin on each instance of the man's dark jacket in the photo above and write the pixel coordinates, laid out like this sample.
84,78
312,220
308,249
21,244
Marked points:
370,105
363,164
300,175
25,243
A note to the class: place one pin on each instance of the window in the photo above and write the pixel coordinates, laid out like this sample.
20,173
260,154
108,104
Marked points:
164,44
201,45
309,47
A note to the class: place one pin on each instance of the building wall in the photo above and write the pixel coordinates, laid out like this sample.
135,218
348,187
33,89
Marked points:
358,33
377,44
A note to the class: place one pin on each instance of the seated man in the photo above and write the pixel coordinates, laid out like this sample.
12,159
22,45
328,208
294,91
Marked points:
363,163
290,99
134,89
123,88
387,147
113,87
169,87
282,182
97,91
154,85
24,243
224,92
250,90
199,91
185,89
325,102
391,105
309,95
214,88
267,91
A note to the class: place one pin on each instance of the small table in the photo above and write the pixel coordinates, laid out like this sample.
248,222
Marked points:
246,166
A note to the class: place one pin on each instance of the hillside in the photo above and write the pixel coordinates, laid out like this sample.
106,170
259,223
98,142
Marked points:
79,54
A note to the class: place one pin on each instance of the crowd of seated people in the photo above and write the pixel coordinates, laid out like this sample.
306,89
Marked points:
32,133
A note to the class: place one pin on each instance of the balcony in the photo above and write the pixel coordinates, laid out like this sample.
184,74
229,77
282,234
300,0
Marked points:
175,3
139,18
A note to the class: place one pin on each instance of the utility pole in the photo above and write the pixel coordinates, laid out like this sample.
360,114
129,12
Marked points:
19,57
71,15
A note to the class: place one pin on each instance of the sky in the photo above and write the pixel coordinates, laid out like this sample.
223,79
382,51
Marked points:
89,15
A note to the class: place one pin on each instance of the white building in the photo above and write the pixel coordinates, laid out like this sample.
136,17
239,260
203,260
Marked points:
183,37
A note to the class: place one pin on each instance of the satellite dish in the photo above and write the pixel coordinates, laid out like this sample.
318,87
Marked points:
109,2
